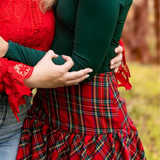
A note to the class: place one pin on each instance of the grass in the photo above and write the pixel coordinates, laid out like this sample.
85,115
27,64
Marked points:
143,106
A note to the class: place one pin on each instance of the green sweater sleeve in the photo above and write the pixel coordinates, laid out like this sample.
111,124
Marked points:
27,55
98,28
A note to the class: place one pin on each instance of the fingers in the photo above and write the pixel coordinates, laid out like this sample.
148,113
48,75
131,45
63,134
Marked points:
81,73
119,49
76,81
73,78
47,59
51,54
67,58
76,75
116,66
116,61
67,65
116,70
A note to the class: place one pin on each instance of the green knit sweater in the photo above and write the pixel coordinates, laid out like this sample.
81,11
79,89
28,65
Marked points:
86,30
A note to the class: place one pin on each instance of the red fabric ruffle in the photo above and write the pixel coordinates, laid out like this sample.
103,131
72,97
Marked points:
59,145
12,75
123,74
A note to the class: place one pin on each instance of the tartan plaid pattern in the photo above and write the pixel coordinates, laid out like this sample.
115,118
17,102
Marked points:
88,122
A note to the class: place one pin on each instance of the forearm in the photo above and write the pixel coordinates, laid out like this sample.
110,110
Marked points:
3,47
27,55
23,54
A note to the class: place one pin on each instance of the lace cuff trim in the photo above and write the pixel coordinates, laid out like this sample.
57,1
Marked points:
123,74
12,75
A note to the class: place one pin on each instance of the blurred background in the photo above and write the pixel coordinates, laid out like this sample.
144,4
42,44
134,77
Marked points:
141,40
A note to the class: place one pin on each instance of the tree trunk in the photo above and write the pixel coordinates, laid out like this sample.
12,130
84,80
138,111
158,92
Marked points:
157,27
140,19
135,32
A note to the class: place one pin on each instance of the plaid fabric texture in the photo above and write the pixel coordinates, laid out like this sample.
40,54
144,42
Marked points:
84,122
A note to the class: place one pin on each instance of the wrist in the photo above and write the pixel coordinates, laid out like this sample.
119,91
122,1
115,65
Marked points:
3,47
30,82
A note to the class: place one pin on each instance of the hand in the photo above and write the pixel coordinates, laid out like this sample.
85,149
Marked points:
3,47
116,61
48,75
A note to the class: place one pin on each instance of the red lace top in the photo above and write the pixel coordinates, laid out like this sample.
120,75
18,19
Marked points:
22,22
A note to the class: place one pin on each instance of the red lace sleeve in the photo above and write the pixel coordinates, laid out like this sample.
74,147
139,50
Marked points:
123,74
12,75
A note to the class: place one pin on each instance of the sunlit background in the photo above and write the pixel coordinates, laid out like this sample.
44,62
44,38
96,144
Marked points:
141,39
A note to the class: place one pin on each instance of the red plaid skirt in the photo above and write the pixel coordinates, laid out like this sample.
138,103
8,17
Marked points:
88,122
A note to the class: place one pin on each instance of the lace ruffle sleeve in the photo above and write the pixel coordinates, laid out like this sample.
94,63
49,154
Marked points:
12,75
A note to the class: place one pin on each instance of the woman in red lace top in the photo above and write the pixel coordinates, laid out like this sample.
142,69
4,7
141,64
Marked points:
23,22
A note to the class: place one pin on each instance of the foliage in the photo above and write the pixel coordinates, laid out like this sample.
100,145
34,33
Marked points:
143,106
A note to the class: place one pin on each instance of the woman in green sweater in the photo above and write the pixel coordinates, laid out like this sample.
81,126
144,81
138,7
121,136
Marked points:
88,120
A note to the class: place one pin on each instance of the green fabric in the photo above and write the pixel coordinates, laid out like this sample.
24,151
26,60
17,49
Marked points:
86,30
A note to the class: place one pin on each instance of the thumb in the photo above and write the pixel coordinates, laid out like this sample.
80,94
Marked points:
50,54
68,64
48,57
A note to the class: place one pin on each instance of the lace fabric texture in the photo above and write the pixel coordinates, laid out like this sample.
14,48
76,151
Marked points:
22,22
12,75
123,74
